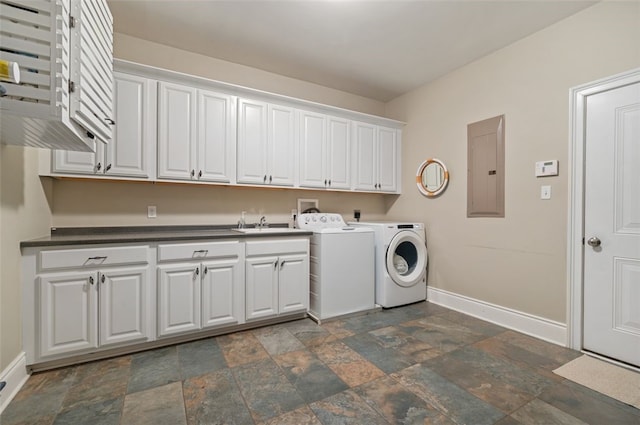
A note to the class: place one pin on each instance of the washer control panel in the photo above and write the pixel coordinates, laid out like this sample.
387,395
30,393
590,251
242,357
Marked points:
318,221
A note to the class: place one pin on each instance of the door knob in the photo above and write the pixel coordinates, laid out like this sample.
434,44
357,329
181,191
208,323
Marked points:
594,242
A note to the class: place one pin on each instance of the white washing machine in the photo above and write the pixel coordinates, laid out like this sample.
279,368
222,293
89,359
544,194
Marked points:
401,262
342,277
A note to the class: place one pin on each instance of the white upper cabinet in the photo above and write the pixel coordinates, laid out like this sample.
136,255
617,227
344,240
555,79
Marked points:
195,134
252,142
388,148
313,157
265,144
376,156
130,153
175,127
176,131
216,137
281,145
324,151
339,153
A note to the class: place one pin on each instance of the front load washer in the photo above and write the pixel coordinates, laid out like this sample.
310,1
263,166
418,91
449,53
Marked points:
400,262
342,277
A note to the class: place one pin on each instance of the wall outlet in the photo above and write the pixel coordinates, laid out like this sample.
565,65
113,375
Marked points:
152,212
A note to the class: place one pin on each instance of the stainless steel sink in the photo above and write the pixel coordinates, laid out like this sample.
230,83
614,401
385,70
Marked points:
265,230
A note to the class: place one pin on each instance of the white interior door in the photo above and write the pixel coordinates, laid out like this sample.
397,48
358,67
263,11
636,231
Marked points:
612,224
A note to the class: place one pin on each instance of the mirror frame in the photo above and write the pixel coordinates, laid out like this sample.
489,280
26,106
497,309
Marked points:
422,188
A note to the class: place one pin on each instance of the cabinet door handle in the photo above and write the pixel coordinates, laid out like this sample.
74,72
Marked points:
275,265
102,278
101,257
199,173
270,179
197,271
325,182
201,251
108,168
98,166
206,270
282,264
329,182
110,121
193,173
91,281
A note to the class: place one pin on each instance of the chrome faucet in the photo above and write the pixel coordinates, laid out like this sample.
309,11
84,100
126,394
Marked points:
263,223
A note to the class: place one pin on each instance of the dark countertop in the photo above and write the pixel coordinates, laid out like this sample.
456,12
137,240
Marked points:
136,234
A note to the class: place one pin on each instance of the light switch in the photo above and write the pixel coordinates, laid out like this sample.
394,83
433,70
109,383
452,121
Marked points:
545,192
151,211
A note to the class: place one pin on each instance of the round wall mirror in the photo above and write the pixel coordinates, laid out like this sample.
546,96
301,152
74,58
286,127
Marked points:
432,177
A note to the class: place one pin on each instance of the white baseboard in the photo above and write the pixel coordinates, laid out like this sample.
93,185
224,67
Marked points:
529,324
15,375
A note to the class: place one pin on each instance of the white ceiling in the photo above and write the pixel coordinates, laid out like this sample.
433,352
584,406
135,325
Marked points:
376,49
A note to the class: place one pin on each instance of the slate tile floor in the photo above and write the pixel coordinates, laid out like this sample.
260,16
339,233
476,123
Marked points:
418,364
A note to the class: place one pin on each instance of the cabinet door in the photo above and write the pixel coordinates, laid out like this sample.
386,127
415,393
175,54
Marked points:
313,153
68,313
176,131
339,153
220,281
293,283
178,298
128,154
252,142
123,302
281,146
261,287
73,162
387,159
366,160
216,137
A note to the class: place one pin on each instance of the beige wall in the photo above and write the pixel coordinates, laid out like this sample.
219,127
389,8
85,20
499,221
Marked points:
153,54
24,214
517,262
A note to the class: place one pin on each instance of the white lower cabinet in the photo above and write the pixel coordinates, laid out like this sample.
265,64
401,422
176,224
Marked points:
81,300
277,277
203,294
85,310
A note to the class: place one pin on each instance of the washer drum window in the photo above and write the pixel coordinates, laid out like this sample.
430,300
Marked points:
406,259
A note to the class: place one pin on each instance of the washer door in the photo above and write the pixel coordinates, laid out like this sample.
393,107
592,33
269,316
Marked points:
406,258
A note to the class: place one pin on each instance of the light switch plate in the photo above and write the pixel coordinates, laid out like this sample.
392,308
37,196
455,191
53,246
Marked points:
545,192
152,212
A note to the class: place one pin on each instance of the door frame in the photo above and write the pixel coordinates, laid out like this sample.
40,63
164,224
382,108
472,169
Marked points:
575,244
